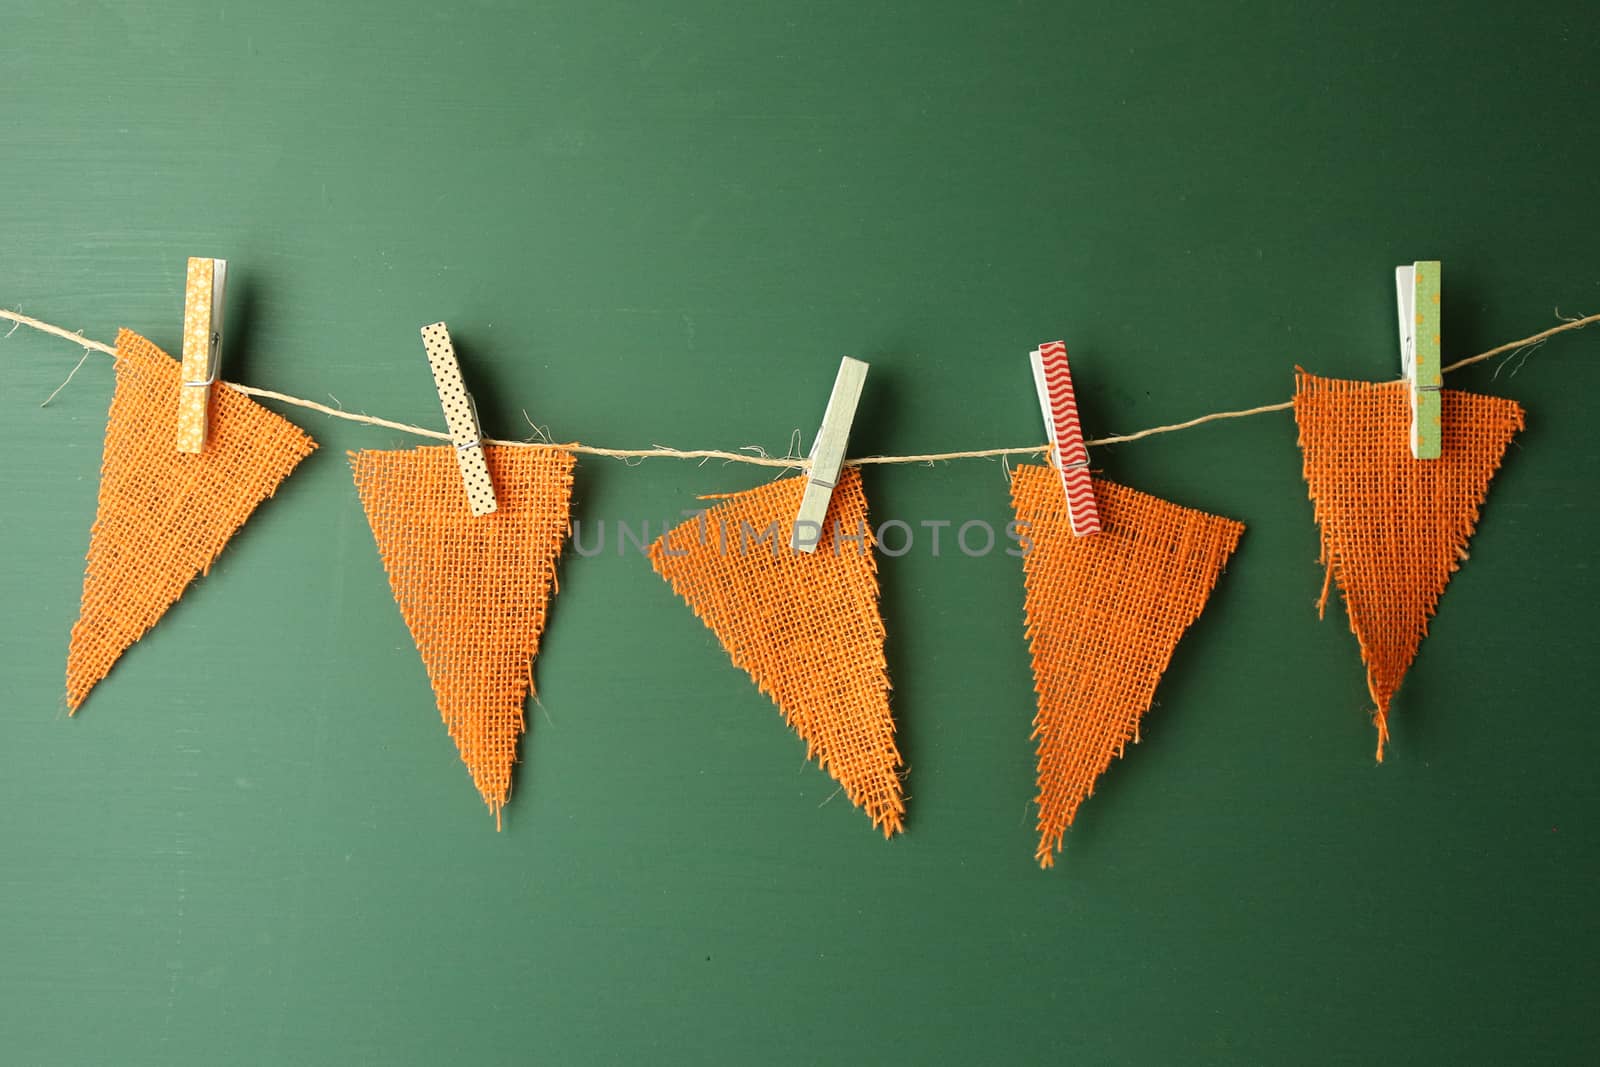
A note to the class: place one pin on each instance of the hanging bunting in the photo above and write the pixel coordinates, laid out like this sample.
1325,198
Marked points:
1104,614
804,626
1393,527
165,515
473,589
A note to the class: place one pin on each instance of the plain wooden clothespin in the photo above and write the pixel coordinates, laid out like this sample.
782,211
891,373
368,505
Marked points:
1053,382
1416,291
204,287
461,415
827,454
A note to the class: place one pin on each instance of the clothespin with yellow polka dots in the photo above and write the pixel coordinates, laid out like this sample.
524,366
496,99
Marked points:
1417,290
461,415
203,292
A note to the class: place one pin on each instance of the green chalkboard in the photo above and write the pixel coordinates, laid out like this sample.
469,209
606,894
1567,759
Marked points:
665,223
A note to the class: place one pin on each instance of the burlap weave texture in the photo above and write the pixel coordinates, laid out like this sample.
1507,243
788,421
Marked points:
473,590
1393,528
805,627
1104,614
165,515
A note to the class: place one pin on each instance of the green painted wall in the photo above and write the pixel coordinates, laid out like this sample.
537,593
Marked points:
665,223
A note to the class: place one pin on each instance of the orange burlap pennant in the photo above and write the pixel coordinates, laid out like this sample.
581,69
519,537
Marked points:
806,627
1104,615
1394,527
164,515
473,590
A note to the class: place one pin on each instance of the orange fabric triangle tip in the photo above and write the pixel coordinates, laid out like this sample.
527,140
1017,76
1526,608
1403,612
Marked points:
164,515
1104,615
474,590
1392,528
805,626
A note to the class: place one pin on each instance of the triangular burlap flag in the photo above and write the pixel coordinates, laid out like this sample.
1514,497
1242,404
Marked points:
1394,527
1104,614
473,589
805,626
164,515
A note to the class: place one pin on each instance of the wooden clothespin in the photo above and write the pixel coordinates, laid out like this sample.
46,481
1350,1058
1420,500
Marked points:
1417,294
461,415
203,291
1053,382
827,454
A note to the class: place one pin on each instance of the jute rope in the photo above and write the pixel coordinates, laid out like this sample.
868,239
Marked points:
755,456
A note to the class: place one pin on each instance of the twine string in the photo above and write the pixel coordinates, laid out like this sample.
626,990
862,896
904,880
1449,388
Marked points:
759,459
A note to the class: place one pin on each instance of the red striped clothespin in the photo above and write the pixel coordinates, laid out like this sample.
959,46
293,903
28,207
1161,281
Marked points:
1053,381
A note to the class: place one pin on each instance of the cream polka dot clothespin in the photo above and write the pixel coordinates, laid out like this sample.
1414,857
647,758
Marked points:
461,415
1417,294
203,292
